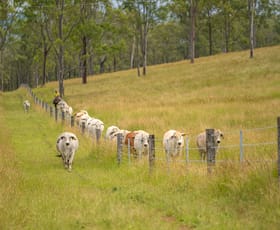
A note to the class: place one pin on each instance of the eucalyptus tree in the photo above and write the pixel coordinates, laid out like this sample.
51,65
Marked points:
8,16
145,13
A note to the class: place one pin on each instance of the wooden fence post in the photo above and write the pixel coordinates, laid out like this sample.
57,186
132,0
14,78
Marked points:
72,121
278,130
151,152
51,111
56,112
83,128
119,148
98,135
62,116
210,149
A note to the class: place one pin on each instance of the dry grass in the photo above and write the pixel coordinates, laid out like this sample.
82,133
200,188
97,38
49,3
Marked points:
227,91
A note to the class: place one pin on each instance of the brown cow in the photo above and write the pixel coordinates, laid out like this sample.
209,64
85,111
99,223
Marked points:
130,136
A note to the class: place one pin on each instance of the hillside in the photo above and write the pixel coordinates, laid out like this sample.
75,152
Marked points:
228,91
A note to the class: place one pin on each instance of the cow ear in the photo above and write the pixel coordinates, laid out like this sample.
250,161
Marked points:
183,134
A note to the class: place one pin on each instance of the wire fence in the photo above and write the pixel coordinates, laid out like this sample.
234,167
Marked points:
254,145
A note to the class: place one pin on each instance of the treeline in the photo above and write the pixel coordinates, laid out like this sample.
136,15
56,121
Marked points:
43,40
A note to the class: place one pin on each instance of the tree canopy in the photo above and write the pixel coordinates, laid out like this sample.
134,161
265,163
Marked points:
43,41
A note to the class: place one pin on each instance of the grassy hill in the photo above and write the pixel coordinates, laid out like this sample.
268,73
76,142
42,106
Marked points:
228,91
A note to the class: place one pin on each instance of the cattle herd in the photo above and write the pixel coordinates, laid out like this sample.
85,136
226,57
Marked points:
138,140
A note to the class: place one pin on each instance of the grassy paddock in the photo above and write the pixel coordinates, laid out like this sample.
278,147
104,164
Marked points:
228,91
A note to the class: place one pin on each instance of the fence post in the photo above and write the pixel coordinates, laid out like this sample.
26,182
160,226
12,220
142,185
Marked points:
151,152
72,121
46,107
128,150
83,128
278,129
241,146
98,135
187,150
119,148
210,149
51,111
62,116
56,112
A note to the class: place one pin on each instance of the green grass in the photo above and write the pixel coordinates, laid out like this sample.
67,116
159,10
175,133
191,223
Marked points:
228,91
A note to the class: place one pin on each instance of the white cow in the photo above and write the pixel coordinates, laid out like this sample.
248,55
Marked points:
173,143
92,125
78,116
201,142
67,144
141,143
83,120
111,132
62,106
26,106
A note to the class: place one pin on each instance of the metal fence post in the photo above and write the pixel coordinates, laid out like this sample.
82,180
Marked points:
241,146
128,150
187,150
119,148
278,130
210,149
151,152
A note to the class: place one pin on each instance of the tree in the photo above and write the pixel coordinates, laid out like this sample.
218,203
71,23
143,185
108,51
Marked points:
251,6
193,12
145,13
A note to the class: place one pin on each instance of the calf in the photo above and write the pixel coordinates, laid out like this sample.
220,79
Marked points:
173,143
67,144
201,142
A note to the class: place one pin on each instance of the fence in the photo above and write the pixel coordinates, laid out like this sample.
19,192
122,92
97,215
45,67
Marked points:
237,144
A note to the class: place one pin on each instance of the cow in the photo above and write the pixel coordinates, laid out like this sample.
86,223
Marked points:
111,132
83,121
26,106
92,125
173,143
141,143
62,106
67,144
129,139
78,116
201,142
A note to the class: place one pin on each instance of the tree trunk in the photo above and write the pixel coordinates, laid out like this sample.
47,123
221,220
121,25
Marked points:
192,32
145,48
61,52
132,53
210,34
102,62
252,11
84,60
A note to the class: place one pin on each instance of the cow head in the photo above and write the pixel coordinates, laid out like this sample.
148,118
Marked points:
218,135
